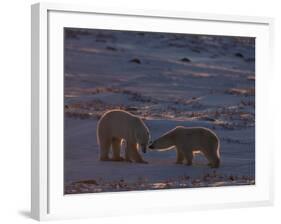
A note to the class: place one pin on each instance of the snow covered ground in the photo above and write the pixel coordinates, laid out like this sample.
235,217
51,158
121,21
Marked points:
168,80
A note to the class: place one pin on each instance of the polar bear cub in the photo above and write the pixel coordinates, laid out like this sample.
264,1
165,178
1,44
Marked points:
188,141
116,126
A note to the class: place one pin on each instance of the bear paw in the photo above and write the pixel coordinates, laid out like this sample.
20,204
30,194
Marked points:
119,159
142,161
213,165
128,160
105,159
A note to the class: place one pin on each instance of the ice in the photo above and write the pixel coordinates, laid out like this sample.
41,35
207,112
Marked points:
144,73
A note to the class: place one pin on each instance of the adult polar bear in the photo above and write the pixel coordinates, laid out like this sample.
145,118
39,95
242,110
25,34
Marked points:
189,141
117,125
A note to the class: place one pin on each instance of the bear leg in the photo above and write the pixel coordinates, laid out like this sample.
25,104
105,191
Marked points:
180,156
213,158
116,147
127,153
214,161
104,150
188,156
134,154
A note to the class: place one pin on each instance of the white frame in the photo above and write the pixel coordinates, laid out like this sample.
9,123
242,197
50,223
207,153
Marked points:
43,183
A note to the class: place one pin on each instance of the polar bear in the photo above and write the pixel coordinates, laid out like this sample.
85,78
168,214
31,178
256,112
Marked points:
189,141
118,125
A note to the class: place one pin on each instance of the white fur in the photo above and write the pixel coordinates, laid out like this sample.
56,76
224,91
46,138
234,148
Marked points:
116,126
189,141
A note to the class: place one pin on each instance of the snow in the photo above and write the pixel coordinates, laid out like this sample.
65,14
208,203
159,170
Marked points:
144,74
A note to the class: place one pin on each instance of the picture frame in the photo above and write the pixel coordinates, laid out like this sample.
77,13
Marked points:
48,200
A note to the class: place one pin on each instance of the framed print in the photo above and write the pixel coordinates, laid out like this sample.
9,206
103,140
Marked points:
161,111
